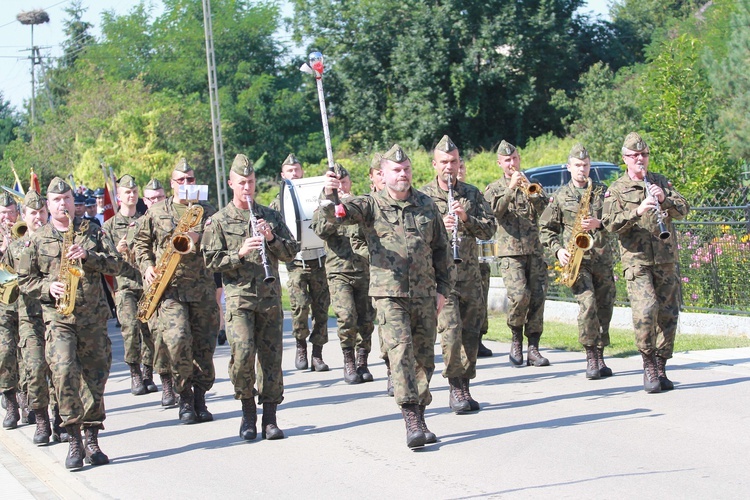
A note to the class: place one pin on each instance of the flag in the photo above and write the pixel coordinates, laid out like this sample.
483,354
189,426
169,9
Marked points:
34,183
19,186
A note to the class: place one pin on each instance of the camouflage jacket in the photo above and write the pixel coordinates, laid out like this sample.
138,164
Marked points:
191,281
225,233
409,252
343,246
558,219
40,266
27,307
115,229
639,236
481,224
517,216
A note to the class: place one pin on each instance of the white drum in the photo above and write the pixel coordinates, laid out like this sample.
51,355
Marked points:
299,199
487,250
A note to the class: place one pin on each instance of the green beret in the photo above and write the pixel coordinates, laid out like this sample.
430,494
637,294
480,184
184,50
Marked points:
505,148
291,160
339,170
375,163
6,199
127,181
242,166
58,186
154,185
445,145
634,142
396,154
578,152
33,200
183,166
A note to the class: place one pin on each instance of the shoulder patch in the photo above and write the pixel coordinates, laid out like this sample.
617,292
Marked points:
208,222
132,224
606,194
551,199
26,243
669,183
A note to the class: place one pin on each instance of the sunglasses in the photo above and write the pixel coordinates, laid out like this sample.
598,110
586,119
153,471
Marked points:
182,180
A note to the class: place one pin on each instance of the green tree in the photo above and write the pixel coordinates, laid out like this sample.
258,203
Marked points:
9,121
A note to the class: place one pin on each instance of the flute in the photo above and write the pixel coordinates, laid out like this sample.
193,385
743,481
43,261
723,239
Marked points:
269,278
454,239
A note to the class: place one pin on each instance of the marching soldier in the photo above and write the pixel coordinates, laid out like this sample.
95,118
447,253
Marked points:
253,303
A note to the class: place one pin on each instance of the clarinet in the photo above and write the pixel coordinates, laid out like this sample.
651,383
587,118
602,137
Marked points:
454,238
269,278
663,231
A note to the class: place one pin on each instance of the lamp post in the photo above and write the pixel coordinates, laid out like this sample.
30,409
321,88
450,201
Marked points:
31,18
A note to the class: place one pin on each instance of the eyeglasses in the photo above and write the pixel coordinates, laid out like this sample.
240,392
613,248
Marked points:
183,180
636,155
154,199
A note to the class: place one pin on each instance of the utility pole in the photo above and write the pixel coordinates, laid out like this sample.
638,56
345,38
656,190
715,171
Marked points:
32,18
213,94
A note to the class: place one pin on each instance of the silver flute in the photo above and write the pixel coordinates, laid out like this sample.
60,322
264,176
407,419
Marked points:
454,239
663,231
269,278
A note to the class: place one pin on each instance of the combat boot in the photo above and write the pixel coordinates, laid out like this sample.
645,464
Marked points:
187,408
362,369
300,360
269,429
148,379
59,433
456,399
592,364
43,430
414,435
350,372
651,382
12,415
318,364
249,419
94,454
604,370
661,372
201,410
74,460
516,346
429,437
222,337
483,351
168,397
136,380
533,357
473,404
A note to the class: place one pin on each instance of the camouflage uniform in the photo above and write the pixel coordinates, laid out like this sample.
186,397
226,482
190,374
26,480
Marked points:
9,342
485,272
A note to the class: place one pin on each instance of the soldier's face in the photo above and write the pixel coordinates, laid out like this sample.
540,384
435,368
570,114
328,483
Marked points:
91,210
346,185
151,196
461,174
579,170
291,172
397,176
242,186
445,164
100,202
180,178
35,218
127,196
376,180
510,164
636,162
80,209
8,215
59,203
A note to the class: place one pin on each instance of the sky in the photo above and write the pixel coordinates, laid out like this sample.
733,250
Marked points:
15,38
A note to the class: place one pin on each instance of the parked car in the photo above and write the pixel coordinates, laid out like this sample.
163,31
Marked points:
552,177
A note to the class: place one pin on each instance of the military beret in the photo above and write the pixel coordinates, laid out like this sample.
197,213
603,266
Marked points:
242,165
33,200
505,148
375,163
183,166
339,170
578,152
6,199
291,160
154,185
79,199
396,154
634,142
99,193
446,145
90,202
59,186
127,181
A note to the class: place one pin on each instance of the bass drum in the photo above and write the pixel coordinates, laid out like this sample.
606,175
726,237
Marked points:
299,199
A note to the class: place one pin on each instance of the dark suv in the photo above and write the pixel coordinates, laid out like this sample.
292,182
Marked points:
552,177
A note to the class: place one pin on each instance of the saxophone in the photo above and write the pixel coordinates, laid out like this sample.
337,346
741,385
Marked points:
579,242
70,273
179,244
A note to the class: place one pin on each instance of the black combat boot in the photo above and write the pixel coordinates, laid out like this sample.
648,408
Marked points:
533,355
94,454
148,379
604,370
43,430
362,369
473,404
201,411
318,364
59,433
350,372
456,400
222,337
651,382
483,351
414,434
269,429
187,407
429,437
168,397
300,360
136,380
249,419
12,415
661,372
592,364
516,346
74,460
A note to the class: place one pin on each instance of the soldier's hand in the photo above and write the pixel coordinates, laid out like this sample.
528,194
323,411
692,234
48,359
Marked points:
449,222
76,252
563,256
590,223
439,302
250,244
649,203
459,210
150,275
516,179
122,245
331,182
657,192
56,289
265,229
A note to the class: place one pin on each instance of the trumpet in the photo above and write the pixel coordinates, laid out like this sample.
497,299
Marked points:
530,189
19,230
663,231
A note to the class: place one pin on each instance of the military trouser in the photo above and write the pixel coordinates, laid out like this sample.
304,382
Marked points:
458,324
189,332
654,300
525,278
595,292
38,374
256,328
9,359
484,271
80,356
308,289
353,308
136,337
162,363
408,327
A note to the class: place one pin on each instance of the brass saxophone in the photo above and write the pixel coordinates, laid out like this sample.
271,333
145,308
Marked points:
8,277
179,245
70,273
579,242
